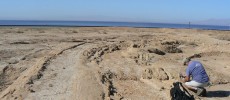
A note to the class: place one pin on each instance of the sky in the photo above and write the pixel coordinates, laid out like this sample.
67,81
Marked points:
158,11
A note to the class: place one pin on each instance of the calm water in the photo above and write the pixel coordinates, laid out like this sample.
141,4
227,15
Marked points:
113,24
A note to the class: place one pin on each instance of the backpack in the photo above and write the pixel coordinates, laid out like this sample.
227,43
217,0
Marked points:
178,94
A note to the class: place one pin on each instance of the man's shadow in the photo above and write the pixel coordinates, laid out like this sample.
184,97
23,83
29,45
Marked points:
218,93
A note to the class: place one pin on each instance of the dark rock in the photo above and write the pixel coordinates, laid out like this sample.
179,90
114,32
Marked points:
156,51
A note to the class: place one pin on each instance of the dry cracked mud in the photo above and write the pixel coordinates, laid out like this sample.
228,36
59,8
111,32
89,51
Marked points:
107,63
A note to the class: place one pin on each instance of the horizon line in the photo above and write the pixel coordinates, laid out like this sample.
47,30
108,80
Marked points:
182,23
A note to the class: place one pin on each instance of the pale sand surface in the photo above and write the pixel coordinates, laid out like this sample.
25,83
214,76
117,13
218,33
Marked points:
105,63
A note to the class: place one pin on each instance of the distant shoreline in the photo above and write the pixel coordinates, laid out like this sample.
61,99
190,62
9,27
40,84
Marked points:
109,24
50,26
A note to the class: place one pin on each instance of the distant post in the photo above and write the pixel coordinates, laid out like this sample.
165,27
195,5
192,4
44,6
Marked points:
228,26
189,25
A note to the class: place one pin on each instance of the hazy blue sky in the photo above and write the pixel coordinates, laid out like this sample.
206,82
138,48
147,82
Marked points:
167,11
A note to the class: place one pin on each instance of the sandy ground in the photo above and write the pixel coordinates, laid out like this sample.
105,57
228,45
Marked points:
106,63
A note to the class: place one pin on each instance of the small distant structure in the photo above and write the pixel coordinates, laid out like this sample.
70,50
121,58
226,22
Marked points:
189,25
228,26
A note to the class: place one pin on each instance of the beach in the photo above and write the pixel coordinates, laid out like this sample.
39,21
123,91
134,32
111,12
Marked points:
107,63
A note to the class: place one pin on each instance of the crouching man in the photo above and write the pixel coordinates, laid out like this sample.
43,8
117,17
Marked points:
200,79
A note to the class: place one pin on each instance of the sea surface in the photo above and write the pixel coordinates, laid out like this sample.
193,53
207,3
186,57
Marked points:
108,24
